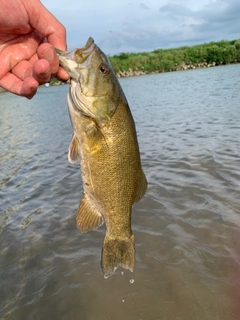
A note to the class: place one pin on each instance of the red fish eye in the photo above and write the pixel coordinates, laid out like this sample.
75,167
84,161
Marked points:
103,69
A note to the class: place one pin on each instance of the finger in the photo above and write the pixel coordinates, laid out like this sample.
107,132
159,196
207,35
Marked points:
26,88
23,70
23,48
29,87
41,71
46,24
62,74
46,51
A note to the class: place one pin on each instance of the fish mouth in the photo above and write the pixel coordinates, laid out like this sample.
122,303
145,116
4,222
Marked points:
72,62
75,59
83,53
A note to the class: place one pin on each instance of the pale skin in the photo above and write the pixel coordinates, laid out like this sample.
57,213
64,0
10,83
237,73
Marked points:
28,35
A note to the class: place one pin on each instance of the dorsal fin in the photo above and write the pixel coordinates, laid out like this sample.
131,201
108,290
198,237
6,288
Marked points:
74,150
88,218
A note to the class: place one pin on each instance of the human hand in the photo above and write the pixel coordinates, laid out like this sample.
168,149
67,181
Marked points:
28,35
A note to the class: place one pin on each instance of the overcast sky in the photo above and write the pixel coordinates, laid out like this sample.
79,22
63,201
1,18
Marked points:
145,25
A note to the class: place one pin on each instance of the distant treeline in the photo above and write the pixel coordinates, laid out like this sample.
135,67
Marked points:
162,60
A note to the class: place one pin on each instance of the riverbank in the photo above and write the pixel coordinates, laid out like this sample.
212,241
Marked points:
184,66
184,58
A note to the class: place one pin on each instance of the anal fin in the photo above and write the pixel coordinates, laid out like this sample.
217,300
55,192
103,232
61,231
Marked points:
88,218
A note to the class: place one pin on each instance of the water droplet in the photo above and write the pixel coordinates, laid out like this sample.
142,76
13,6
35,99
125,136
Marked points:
132,281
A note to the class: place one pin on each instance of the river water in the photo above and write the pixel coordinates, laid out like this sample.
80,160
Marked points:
186,227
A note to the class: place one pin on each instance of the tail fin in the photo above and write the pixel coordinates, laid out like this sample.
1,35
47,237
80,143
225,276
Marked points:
117,253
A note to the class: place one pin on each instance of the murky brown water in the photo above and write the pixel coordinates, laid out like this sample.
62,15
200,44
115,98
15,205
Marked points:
186,227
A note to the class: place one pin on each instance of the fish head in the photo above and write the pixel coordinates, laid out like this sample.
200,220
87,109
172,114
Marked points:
95,90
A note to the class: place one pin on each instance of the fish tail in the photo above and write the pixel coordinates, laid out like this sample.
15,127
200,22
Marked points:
117,253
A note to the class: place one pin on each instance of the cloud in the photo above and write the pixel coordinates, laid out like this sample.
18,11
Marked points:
176,10
138,25
217,20
221,11
144,6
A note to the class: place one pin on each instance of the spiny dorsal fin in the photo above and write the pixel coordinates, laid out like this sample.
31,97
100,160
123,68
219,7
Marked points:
74,150
142,187
88,218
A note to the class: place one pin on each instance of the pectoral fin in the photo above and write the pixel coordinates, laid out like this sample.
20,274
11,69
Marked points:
74,150
142,187
88,218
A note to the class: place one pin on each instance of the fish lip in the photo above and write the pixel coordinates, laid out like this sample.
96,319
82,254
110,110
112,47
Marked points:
67,54
87,49
79,55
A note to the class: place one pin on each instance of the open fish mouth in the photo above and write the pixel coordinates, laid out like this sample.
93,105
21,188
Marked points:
92,81
71,60
83,53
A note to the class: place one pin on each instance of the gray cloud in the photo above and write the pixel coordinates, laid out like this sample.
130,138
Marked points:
173,10
221,11
144,6
217,20
134,25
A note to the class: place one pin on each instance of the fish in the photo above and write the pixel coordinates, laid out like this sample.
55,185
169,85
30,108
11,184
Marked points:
105,144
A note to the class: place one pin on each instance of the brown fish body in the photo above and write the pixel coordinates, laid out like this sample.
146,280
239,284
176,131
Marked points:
105,143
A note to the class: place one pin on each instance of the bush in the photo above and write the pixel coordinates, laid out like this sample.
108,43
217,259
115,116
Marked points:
169,59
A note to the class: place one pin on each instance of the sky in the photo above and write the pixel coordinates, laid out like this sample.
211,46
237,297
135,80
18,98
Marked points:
145,25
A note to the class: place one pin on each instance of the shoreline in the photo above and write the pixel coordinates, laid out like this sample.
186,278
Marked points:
184,66
134,73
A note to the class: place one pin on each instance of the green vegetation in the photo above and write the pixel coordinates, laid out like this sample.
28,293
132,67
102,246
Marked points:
183,58
54,82
162,60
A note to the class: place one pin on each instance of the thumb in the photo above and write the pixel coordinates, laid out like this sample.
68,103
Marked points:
45,23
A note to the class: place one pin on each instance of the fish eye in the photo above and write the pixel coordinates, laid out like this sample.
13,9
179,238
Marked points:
103,69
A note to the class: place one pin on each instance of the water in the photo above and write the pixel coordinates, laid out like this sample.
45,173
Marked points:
186,227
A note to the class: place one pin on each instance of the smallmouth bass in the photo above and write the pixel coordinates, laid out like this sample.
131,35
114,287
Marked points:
105,143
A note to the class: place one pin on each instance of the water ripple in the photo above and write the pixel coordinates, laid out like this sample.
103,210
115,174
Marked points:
186,227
